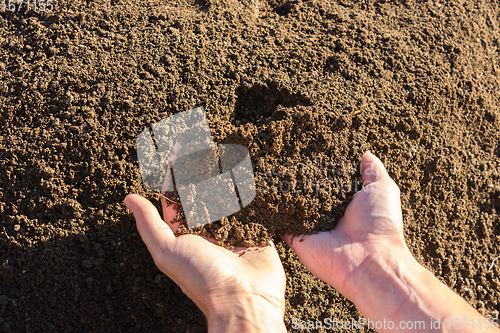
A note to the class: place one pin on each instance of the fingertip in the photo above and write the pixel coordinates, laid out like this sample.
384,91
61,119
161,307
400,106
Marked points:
283,236
136,202
372,168
368,157
287,238
128,200
141,207
132,201
151,227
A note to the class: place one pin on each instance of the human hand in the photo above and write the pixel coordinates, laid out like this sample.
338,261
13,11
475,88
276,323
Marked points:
371,228
243,291
366,258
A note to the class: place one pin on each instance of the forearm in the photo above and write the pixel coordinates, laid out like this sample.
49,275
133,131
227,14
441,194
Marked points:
399,290
250,314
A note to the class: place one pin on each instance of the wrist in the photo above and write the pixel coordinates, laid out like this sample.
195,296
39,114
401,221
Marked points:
397,288
383,282
248,313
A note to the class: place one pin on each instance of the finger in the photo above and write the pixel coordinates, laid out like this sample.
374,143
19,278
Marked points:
287,238
169,214
295,242
372,169
153,230
174,226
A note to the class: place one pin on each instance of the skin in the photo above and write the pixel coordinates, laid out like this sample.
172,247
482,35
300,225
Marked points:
366,258
232,289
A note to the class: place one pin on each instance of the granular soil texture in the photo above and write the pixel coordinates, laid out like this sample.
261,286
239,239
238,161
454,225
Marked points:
305,162
414,82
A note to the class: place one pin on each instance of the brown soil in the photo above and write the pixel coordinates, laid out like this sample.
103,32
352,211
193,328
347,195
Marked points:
415,82
306,172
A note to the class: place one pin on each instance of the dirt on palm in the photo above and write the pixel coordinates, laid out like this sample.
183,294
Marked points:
300,83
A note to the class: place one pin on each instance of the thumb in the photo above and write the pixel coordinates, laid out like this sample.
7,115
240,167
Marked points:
372,169
154,231
296,243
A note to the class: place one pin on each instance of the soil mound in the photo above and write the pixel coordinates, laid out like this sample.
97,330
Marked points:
295,81
305,164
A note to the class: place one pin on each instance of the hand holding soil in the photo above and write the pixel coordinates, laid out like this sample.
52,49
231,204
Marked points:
227,286
366,259
303,85
372,226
